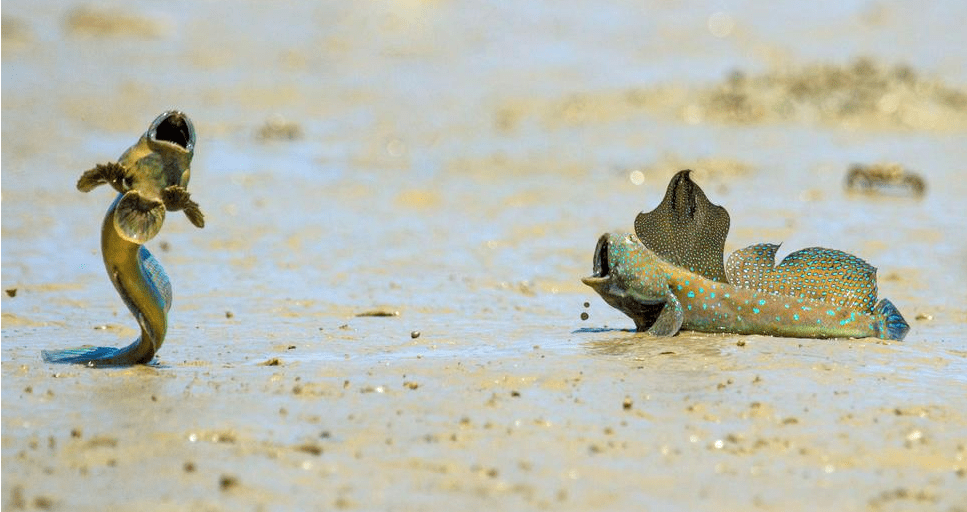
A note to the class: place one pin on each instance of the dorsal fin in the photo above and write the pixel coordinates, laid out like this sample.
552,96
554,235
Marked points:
832,276
686,230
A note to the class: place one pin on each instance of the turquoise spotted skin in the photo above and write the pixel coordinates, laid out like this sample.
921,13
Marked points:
706,305
669,275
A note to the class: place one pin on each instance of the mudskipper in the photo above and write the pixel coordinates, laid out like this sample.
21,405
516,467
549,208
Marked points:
150,177
669,275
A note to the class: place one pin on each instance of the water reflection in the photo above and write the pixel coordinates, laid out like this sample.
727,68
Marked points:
642,346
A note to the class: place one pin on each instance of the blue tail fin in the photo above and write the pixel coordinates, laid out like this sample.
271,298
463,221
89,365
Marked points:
894,327
80,355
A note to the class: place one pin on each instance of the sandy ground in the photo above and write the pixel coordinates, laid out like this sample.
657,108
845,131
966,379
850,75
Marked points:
455,162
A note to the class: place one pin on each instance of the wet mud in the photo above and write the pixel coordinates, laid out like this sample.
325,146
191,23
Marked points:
384,310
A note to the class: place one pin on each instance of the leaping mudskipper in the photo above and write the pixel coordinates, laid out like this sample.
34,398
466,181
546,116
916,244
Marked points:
150,177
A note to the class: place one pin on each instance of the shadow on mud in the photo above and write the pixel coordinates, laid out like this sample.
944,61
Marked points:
641,345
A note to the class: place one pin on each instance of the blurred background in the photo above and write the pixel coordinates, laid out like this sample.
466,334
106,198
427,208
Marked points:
454,162
461,133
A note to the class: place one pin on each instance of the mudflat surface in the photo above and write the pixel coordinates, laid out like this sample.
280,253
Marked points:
453,163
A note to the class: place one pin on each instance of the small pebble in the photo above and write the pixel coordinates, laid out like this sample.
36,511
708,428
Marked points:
226,482
740,343
379,313
415,334
587,304
11,292
584,316
626,405
310,448
229,314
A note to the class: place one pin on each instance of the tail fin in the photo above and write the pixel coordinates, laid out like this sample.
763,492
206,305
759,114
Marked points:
140,352
80,355
894,327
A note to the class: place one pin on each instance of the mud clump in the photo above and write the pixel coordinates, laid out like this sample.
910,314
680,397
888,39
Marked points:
16,34
227,482
379,313
884,179
863,92
97,22
278,128
310,448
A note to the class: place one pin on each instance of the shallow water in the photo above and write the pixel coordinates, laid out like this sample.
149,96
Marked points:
455,163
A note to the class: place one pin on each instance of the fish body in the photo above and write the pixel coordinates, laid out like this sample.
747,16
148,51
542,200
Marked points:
669,275
150,177
153,177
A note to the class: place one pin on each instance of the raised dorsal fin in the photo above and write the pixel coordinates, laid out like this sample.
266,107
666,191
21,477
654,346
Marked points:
832,276
686,230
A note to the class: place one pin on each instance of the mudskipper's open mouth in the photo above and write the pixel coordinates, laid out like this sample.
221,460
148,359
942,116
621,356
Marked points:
174,128
602,266
611,279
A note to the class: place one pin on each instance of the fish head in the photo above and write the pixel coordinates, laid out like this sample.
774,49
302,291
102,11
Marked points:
629,277
162,156
172,136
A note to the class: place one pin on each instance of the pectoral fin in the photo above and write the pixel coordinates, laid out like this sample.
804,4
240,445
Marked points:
177,198
670,319
137,218
112,173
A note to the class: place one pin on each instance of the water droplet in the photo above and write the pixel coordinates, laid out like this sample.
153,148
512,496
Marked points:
637,177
